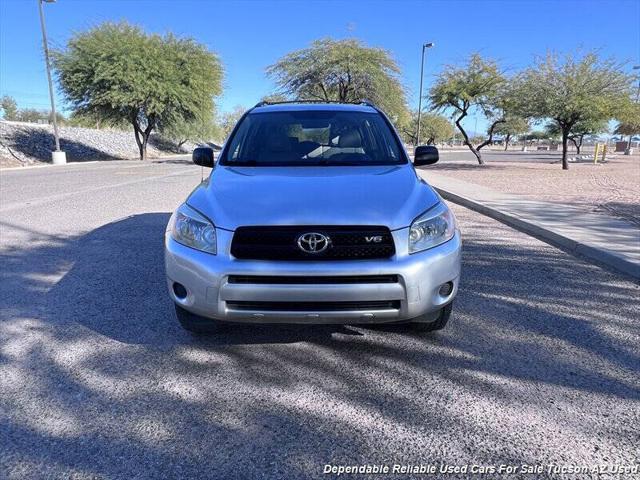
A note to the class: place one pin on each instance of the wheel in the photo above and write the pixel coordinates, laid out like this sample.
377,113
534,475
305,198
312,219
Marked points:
195,323
438,324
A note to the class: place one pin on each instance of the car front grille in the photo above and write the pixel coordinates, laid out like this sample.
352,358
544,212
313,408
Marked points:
281,243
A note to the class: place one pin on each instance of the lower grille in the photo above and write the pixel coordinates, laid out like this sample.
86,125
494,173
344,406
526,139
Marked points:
281,243
311,280
315,306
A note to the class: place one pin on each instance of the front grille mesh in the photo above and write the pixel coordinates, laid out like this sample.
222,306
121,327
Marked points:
280,243
311,280
314,306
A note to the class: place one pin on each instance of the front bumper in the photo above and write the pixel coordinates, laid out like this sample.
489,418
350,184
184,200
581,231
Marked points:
415,293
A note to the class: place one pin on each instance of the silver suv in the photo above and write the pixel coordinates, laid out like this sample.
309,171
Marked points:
313,213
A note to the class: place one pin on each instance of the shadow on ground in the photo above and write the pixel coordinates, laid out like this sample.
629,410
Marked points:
105,382
39,143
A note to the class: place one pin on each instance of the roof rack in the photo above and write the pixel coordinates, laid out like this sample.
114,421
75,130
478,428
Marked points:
266,102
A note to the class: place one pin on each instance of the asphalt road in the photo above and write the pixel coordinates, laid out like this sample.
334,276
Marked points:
539,364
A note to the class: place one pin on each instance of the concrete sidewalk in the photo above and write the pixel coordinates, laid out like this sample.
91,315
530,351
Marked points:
606,240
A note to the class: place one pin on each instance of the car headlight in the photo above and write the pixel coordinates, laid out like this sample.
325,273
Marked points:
432,228
190,228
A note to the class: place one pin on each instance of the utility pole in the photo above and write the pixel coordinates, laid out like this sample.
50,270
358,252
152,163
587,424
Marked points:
424,46
58,157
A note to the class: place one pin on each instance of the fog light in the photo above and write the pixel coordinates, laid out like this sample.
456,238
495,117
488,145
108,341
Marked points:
179,290
446,289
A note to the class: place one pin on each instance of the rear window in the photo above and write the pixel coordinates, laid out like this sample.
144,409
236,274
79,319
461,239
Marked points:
313,137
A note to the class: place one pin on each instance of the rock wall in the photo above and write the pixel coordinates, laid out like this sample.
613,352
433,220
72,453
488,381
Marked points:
29,143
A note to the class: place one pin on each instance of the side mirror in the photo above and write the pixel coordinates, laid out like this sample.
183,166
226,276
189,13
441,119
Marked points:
425,155
203,156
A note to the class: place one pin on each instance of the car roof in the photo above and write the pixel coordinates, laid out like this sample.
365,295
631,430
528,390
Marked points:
296,107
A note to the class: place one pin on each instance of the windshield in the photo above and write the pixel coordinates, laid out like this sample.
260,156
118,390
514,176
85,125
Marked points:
313,137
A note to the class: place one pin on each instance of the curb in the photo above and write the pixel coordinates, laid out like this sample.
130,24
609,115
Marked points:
598,255
44,165
88,162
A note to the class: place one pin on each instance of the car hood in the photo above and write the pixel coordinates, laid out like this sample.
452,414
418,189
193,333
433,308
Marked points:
392,196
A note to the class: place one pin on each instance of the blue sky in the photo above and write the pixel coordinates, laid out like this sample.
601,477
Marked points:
250,35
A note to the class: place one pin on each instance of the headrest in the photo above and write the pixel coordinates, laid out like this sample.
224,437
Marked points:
278,141
350,139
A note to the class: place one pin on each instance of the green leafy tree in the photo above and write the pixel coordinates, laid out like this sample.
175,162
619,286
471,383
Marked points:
202,128
629,121
33,115
61,120
536,135
581,129
93,120
434,127
572,90
117,72
228,120
344,71
513,126
478,85
9,108
275,98
477,139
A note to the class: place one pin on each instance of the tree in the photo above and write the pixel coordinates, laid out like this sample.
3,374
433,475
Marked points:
580,130
586,89
228,120
93,120
33,115
477,139
478,85
629,121
201,128
344,71
536,135
275,98
512,126
9,108
117,72
29,115
435,128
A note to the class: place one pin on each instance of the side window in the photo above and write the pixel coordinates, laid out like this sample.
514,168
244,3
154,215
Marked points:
235,152
235,149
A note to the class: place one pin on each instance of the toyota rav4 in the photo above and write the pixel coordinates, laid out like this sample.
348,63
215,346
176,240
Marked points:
313,213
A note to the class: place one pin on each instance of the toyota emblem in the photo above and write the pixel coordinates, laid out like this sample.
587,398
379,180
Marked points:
313,242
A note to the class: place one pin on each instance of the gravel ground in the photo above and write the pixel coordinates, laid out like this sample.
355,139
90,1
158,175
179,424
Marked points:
539,363
612,188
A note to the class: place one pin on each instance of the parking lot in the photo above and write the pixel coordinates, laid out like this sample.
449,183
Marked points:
538,365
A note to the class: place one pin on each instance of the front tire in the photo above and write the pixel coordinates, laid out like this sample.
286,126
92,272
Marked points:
195,323
438,324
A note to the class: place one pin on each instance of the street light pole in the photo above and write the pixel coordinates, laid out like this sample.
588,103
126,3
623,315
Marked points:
424,46
58,156
628,150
